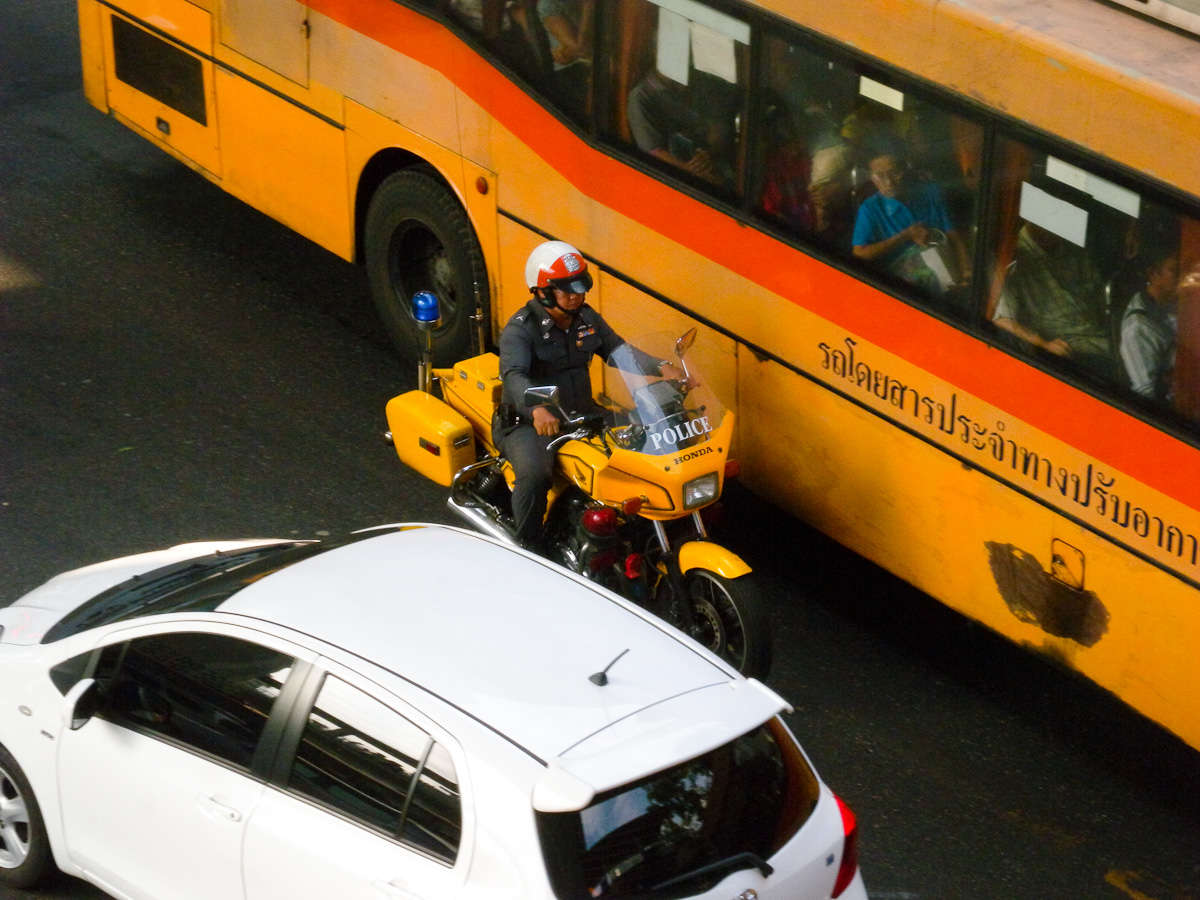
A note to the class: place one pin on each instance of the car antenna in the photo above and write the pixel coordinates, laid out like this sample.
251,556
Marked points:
601,678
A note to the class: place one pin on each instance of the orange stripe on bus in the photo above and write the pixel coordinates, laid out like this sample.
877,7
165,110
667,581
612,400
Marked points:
1094,427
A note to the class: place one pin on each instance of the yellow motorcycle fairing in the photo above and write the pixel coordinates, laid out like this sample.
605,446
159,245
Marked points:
658,480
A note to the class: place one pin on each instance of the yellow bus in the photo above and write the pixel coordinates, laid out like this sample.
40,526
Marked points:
943,252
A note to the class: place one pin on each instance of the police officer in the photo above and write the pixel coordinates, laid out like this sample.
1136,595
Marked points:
551,341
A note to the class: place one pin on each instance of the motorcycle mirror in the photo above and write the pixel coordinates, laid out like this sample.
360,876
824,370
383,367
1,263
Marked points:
685,342
544,395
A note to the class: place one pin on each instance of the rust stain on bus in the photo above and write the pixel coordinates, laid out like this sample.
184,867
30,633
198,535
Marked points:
1036,597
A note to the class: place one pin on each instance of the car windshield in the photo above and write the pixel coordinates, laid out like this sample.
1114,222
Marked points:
683,830
196,584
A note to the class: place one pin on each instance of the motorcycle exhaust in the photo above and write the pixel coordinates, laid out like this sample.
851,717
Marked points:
479,519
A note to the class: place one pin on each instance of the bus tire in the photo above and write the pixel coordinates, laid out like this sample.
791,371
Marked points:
418,238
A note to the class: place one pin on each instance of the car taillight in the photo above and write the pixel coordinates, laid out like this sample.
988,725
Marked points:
600,522
849,850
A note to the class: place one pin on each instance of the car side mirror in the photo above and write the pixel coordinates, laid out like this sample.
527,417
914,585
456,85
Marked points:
80,703
546,395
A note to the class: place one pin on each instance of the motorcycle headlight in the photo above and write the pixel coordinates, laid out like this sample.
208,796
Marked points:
700,491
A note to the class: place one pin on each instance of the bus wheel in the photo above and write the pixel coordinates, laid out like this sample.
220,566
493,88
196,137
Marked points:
418,238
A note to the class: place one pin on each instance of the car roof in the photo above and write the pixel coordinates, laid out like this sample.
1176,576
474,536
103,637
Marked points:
500,634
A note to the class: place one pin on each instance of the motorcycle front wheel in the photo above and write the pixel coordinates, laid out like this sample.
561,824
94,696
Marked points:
729,618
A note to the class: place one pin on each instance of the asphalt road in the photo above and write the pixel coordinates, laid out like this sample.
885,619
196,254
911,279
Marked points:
175,366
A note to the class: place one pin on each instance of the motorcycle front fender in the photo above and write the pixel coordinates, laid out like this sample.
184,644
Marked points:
713,557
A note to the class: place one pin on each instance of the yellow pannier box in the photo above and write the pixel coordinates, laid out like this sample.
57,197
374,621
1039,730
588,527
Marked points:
475,383
430,436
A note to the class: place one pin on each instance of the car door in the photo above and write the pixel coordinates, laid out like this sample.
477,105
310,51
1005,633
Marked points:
364,804
157,786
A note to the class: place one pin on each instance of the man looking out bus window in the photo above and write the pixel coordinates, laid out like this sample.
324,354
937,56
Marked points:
551,341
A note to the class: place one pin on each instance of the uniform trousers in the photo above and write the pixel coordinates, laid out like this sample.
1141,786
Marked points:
533,464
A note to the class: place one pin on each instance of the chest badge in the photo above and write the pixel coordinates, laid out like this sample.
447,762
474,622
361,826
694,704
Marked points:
583,331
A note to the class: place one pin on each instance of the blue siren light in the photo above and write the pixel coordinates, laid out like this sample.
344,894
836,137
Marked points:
425,307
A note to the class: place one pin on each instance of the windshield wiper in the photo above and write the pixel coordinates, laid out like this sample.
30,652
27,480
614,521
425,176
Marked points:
743,860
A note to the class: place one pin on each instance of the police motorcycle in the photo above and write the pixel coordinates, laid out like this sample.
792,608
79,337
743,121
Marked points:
630,488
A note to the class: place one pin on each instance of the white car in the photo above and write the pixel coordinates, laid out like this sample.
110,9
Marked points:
416,712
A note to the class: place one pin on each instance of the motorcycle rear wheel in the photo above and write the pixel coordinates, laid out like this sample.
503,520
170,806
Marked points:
729,618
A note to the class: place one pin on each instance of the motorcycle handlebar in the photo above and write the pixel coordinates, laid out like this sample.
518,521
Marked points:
578,434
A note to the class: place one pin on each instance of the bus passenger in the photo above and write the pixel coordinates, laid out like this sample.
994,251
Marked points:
1148,327
1051,300
901,220
667,122
469,12
568,26
786,189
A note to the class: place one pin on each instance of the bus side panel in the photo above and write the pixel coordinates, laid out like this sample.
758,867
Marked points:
91,46
161,82
284,160
972,542
516,243
380,78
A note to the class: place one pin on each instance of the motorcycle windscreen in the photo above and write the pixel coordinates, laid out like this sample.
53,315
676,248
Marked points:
662,416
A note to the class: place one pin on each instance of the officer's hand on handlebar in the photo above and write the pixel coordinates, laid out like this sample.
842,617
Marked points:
674,373
545,422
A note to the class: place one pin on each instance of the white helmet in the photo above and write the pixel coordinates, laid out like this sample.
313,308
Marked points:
556,264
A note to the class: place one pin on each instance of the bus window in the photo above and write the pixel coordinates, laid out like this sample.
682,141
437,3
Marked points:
807,164
679,88
566,28
1067,242
547,42
915,192
1097,278
870,172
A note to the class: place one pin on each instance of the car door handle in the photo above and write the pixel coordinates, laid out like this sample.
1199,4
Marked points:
224,810
394,890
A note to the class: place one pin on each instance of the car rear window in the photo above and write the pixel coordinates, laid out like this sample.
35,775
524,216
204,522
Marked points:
683,830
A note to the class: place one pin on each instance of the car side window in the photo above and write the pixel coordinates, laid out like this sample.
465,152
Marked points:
207,692
360,758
